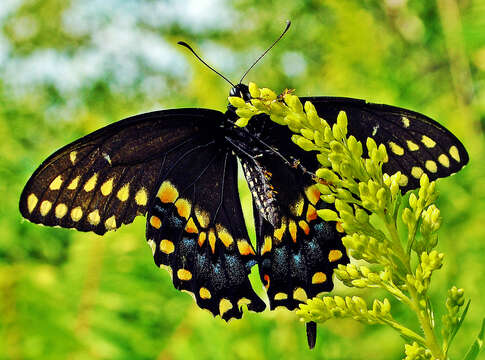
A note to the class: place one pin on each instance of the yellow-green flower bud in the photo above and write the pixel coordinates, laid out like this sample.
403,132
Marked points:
242,122
328,215
254,90
245,113
307,133
237,101
294,103
267,94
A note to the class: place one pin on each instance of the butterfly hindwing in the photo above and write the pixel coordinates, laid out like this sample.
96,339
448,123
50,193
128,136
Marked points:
298,251
106,178
415,143
196,228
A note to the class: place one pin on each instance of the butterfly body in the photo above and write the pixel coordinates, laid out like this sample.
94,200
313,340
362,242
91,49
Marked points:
179,168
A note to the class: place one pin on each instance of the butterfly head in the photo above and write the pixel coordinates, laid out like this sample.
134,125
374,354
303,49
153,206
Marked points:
242,91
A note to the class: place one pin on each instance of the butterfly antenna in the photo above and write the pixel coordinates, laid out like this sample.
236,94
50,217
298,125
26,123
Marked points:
288,23
184,44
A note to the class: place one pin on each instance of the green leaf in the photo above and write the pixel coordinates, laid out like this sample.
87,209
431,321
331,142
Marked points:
477,344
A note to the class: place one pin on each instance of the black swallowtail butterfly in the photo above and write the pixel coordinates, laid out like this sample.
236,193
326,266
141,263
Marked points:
179,168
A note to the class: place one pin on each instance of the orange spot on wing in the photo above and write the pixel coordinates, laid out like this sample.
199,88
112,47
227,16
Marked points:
311,213
212,240
202,237
304,226
167,193
319,278
244,247
334,255
313,194
183,208
266,280
155,222
190,227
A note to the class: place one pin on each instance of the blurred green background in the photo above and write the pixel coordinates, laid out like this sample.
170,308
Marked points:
68,67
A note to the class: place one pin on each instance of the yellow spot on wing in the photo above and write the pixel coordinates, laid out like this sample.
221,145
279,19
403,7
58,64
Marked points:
183,208
31,202
405,121
339,227
429,143
278,233
212,240
267,246
243,301
74,183
244,247
204,293
167,247
107,187
334,255
124,193
224,235
202,237
412,146
300,294
91,183
313,194
183,274
454,153
94,218
155,222
141,197
292,228
202,217
297,207
56,183
304,226
281,296
45,207
396,149
167,193
416,171
76,213
319,277
110,223
224,306
431,166
444,160
61,210
72,156
190,227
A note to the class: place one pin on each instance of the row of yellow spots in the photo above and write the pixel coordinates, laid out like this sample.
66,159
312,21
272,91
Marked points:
123,194
298,294
76,213
429,143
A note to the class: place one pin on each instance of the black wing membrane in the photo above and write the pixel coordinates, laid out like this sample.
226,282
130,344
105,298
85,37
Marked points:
298,251
107,178
416,144
196,229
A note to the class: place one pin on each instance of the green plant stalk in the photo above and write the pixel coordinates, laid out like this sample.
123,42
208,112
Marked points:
431,340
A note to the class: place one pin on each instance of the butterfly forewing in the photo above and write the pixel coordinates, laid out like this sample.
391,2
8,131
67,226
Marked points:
105,179
196,228
415,143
